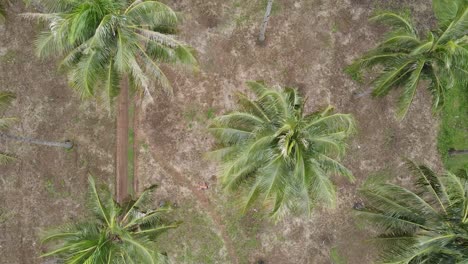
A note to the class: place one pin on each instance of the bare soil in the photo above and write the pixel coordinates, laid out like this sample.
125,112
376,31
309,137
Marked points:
309,42
121,155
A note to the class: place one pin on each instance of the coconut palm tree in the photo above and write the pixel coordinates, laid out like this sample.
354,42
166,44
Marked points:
109,46
5,122
113,234
406,57
271,150
426,225
106,41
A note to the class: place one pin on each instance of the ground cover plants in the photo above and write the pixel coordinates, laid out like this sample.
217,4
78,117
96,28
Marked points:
277,193
5,122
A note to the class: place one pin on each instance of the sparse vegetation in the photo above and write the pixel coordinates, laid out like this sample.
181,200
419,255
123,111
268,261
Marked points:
5,122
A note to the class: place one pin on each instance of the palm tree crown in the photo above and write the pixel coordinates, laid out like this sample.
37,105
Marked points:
270,148
5,122
106,40
428,225
407,57
113,234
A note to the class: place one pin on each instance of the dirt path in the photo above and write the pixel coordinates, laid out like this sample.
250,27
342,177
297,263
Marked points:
121,155
203,200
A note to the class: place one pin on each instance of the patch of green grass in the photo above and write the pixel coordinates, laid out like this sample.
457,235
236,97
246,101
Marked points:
52,189
196,113
83,162
243,229
9,57
336,257
5,215
195,240
335,28
210,113
453,133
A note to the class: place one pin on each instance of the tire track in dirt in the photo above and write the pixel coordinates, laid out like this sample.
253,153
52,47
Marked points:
203,200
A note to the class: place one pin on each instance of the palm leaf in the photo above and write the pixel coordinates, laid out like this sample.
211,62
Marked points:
445,10
271,151
410,90
396,21
104,41
108,236
456,28
426,226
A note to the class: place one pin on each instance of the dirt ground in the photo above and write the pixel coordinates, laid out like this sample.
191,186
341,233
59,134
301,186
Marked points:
308,44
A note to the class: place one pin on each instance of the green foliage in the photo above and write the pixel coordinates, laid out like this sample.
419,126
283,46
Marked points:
272,150
5,215
196,241
5,122
336,257
2,12
113,234
453,129
427,225
54,189
406,56
104,41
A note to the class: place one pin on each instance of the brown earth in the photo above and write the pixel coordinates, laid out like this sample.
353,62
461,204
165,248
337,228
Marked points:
121,155
308,44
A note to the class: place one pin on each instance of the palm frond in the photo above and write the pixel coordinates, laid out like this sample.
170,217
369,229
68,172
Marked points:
104,41
410,90
112,234
404,59
457,27
400,22
445,11
97,204
425,226
391,76
272,152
